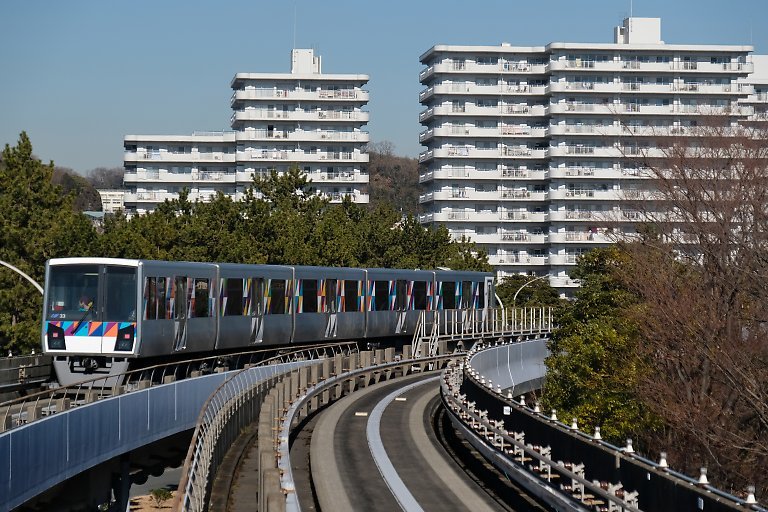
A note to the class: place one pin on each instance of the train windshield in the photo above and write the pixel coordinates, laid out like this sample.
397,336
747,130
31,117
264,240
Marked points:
91,293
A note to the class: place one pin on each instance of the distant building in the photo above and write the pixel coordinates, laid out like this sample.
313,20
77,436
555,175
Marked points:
528,149
303,118
112,200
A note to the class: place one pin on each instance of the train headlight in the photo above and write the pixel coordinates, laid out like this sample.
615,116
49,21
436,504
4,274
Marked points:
125,337
55,336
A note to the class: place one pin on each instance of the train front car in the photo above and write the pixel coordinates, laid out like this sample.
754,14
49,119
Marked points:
89,316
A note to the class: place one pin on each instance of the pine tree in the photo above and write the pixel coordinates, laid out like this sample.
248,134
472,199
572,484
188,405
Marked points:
37,222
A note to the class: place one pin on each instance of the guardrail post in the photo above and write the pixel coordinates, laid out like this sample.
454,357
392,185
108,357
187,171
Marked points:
365,359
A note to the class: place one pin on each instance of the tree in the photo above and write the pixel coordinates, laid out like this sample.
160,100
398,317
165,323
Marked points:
594,367
86,197
536,294
160,496
37,222
393,179
699,272
103,177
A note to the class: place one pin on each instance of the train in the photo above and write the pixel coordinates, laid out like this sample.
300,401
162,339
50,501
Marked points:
106,316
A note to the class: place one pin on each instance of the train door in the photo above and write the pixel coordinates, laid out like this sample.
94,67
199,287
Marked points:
331,307
179,301
257,305
401,305
488,297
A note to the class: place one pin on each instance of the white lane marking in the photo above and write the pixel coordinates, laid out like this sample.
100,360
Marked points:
373,431
360,413
400,399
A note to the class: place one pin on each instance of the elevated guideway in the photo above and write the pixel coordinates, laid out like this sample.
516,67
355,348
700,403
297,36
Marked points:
565,467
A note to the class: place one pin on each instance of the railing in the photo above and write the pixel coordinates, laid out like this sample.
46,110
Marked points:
22,411
538,450
457,325
232,407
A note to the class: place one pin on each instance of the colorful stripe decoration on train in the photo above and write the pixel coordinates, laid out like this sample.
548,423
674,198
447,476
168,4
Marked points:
91,328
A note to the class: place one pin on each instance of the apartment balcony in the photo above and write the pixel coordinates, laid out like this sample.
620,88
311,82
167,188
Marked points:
472,68
337,197
518,237
154,197
524,216
708,67
301,156
330,178
169,157
582,65
495,132
341,95
597,195
517,259
578,237
299,115
562,282
523,195
472,152
305,135
591,172
563,259
579,216
712,89
585,151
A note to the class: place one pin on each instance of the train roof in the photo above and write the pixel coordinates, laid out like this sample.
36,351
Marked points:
96,261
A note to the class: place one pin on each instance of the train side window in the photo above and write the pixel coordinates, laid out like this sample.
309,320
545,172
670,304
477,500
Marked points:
381,295
277,297
401,295
308,296
420,295
201,295
351,296
233,297
448,294
162,305
150,298
330,296
466,294
256,297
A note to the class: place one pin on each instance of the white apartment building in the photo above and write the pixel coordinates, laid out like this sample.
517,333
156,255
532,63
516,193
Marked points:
529,149
303,118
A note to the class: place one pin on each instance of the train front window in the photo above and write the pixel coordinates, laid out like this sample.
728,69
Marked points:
120,300
72,291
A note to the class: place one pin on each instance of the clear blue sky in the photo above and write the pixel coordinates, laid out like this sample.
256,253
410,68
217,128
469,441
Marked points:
78,75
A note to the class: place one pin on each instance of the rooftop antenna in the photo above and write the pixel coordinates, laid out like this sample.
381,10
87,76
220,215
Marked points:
631,7
294,25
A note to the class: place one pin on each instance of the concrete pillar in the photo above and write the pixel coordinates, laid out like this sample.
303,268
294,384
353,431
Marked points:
266,463
314,374
407,352
379,356
389,354
168,379
424,348
365,359
294,389
326,369
303,379
442,347
338,364
353,362
34,412
61,404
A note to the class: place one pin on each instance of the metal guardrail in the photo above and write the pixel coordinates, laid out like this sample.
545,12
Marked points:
453,325
234,405
508,448
22,411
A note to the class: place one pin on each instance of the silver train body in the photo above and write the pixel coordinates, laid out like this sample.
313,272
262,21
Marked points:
103,315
